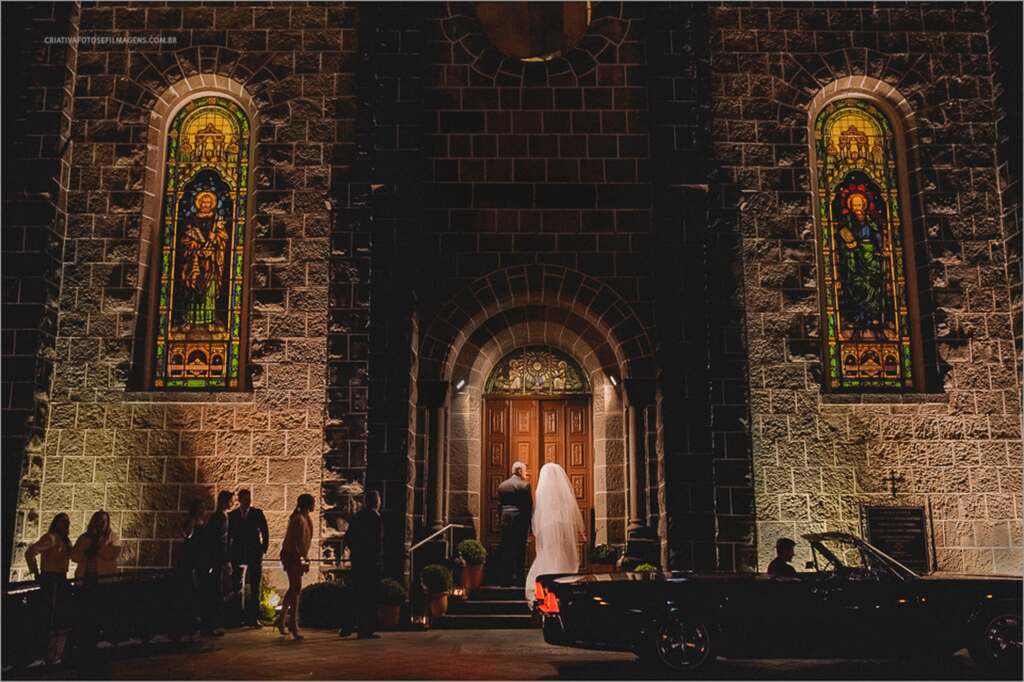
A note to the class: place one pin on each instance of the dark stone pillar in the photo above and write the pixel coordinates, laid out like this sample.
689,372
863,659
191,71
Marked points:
38,78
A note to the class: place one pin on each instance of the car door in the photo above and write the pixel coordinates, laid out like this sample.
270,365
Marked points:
774,617
865,610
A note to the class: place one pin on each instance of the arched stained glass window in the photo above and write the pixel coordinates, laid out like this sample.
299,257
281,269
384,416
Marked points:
865,297
535,370
200,282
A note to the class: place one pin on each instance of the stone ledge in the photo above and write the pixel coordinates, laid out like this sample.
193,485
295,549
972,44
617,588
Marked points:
885,398
191,397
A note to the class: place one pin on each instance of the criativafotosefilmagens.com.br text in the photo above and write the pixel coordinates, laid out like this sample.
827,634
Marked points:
110,40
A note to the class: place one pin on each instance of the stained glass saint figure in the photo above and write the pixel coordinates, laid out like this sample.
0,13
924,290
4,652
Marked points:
202,267
861,266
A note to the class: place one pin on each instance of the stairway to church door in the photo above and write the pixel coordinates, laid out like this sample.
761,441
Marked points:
534,431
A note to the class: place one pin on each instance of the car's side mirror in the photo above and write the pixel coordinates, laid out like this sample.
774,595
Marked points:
809,565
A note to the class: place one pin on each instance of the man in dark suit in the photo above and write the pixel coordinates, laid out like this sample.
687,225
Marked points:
249,541
365,541
216,566
516,512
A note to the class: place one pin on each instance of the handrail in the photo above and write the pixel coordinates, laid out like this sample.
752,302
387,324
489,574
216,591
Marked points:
434,535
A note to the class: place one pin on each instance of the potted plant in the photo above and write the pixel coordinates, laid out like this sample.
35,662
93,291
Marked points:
324,605
645,568
603,558
392,596
437,583
473,556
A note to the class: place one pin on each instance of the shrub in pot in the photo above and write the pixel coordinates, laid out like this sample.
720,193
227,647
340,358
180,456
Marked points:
392,596
324,605
603,558
645,568
473,556
437,583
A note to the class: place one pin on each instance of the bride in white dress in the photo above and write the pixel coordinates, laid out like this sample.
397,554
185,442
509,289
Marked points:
557,526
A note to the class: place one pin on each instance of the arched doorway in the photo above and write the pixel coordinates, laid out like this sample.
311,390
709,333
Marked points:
536,409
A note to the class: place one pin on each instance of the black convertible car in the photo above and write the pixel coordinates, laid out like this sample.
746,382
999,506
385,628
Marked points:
854,602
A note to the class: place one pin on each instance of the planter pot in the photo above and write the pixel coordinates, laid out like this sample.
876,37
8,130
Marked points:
472,577
388,617
438,605
602,568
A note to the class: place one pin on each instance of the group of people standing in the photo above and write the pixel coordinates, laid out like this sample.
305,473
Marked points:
223,554
95,552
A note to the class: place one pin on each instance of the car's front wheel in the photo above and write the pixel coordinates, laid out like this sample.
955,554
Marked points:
679,643
997,645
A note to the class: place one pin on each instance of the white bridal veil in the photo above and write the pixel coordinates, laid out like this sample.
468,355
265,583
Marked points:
557,526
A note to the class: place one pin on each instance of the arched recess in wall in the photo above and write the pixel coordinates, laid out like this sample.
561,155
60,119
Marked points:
871,317
195,246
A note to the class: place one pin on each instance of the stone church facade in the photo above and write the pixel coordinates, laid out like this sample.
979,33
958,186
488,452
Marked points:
423,203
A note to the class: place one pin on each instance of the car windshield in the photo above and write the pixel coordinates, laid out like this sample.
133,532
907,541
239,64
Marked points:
855,559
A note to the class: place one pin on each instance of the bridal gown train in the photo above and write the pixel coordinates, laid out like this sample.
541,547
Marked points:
557,527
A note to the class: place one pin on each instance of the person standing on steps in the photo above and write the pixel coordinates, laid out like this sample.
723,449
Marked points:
250,539
365,541
516,512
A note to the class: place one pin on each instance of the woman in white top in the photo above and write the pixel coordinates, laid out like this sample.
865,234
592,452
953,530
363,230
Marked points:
97,549
54,548
557,526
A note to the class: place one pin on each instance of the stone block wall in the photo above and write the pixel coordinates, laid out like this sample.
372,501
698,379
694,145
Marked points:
957,446
38,72
143,455
537,162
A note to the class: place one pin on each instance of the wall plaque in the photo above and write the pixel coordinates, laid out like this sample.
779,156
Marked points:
901,533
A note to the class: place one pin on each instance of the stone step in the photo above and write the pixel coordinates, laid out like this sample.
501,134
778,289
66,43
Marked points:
498,593
482,607
484,622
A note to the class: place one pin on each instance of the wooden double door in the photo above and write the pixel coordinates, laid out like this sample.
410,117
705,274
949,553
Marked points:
535,431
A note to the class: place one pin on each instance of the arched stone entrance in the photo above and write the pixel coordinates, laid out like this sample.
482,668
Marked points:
544,307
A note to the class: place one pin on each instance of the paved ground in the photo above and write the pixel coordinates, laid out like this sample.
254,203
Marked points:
449,654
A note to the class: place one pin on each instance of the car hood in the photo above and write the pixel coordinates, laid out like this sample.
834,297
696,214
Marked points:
942,576
630,576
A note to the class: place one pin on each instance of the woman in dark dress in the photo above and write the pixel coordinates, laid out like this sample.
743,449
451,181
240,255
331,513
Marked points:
191,560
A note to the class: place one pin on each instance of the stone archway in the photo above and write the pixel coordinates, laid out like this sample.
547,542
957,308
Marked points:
531,306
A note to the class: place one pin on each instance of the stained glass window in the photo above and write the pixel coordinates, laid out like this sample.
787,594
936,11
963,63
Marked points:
202,246
867,325
536,370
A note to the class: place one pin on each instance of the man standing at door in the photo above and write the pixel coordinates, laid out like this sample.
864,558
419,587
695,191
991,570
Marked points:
516,512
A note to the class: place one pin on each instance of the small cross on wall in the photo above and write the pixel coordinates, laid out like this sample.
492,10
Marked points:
894,480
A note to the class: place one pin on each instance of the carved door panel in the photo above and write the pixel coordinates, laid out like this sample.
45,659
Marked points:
496,464
579,463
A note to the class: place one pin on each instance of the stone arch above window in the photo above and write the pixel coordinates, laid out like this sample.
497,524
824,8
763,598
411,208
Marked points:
870,329
197,302
537,370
